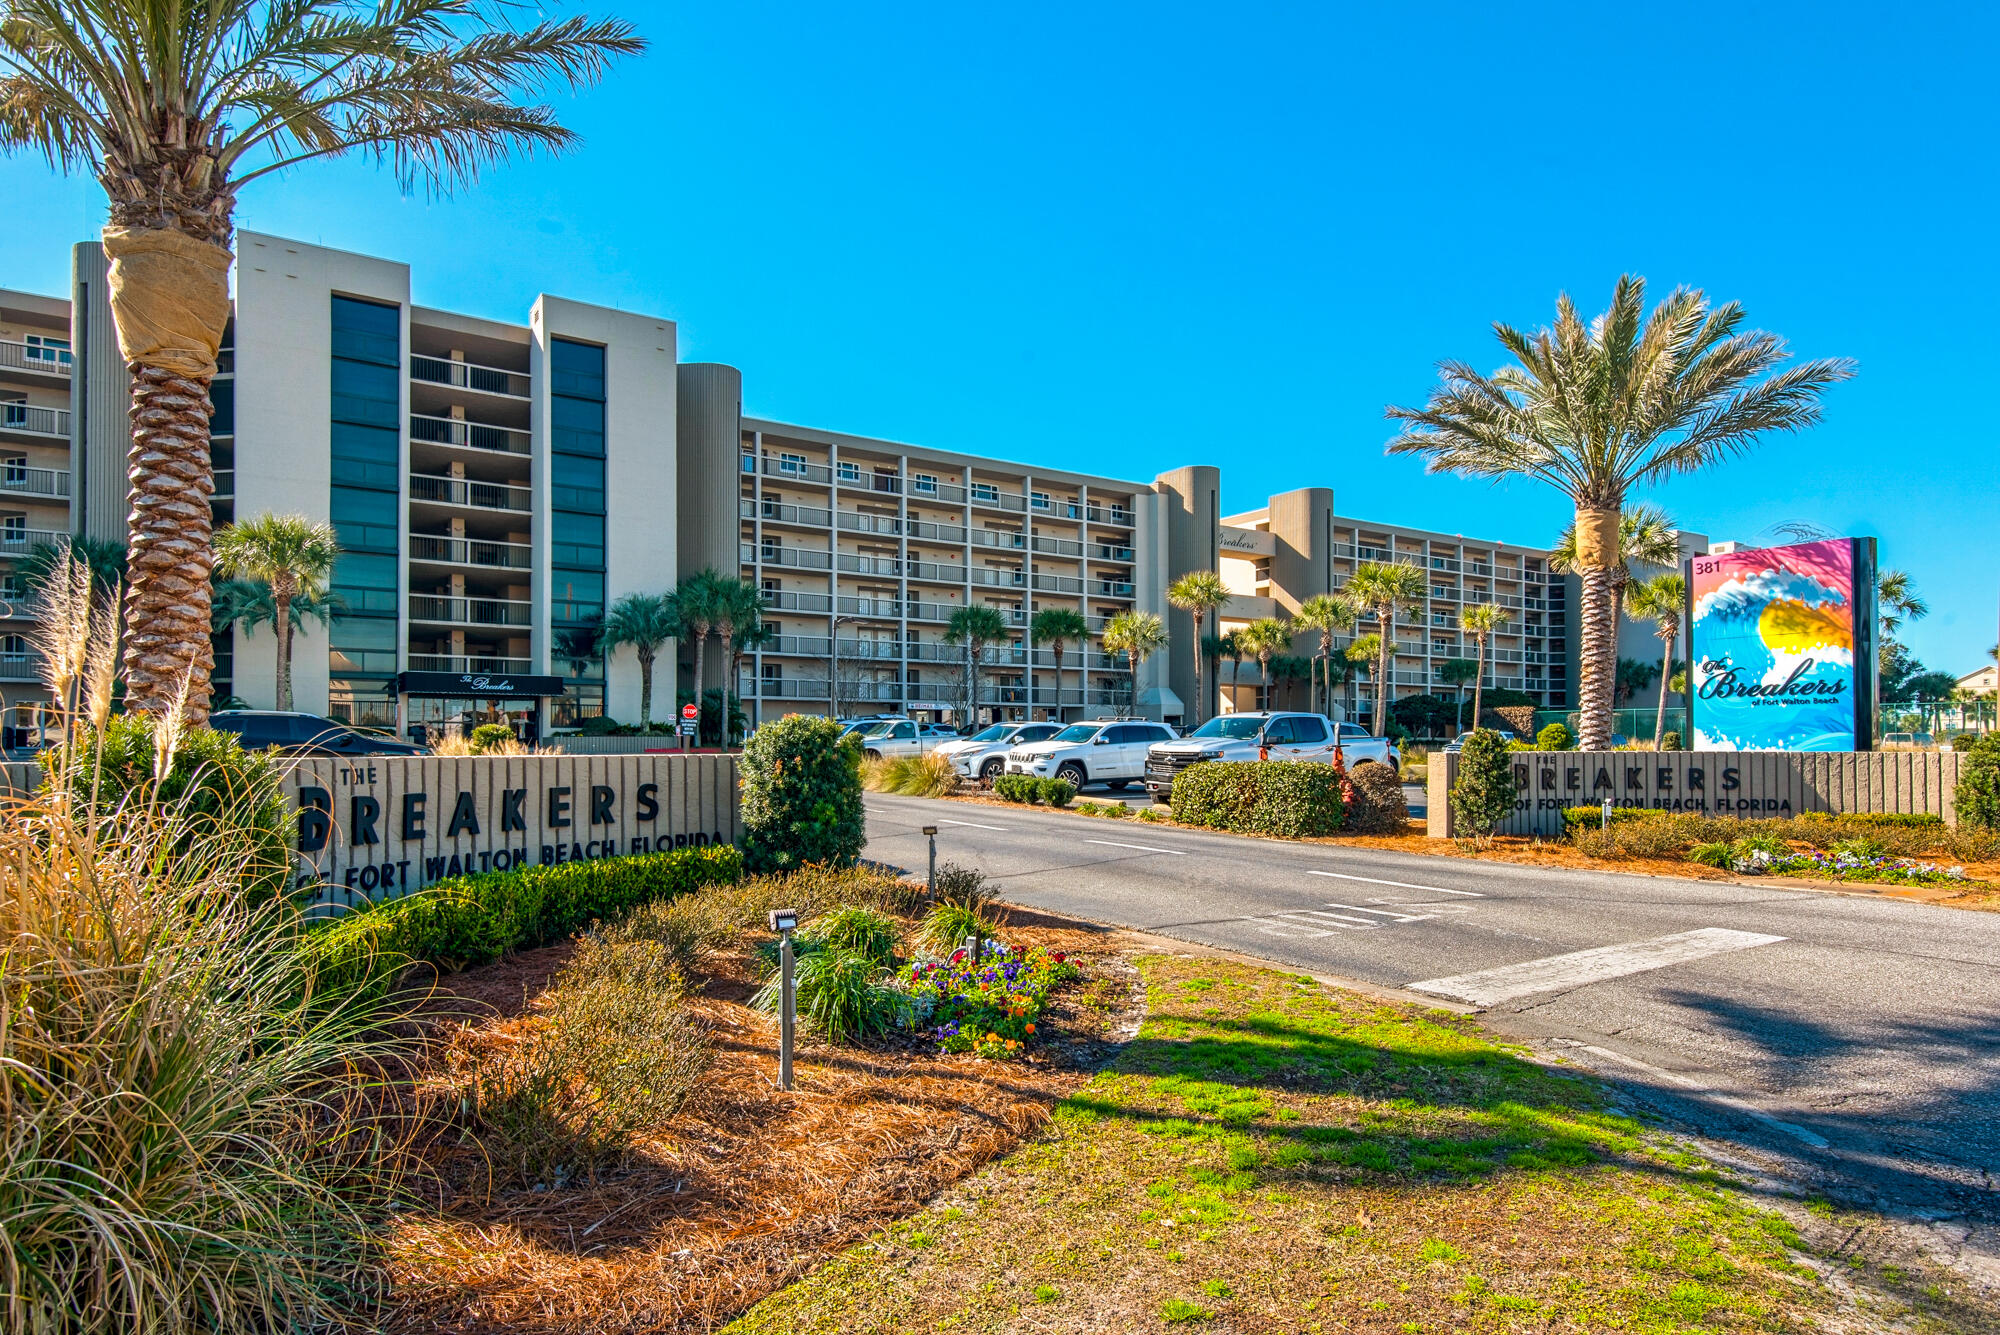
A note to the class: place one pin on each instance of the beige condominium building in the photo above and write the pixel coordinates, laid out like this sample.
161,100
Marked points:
497,485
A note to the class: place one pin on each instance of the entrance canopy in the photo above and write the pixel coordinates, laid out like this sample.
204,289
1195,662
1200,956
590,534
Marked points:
477,685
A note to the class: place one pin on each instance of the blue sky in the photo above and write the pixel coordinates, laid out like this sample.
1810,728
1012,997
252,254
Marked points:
1123,238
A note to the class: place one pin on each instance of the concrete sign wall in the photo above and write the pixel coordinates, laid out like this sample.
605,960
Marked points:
376,829
1711,783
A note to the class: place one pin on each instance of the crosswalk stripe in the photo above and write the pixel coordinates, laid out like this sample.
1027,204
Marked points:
1489,987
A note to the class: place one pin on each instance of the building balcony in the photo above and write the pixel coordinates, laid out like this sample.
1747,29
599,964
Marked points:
783,688
855,478
21,541
1106,588
35,359
477,495
471,663
447,610
467,375
886,525
887,567
47,483
798,646
471,552
999,579
989,497
20,665
795,558
776,512
785,601
1058,584
1115,514
1059,547
790,471
936,572
880,609
25,419
469,435
1103,551
1000,540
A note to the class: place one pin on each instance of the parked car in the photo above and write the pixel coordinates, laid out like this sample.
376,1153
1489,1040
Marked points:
306,734
892,737
984,754
940,732
1110,751
1267,735
1457,743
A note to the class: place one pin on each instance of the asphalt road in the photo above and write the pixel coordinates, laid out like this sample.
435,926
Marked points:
1854,1041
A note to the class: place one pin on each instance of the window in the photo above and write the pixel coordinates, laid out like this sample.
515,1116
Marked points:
1350,730
576,482
576,539
14,470
1040,498
366,583
792,463
368,331
771,587
1306,730
773,671
926,484
48,351
577,595
576,426
986,492
576,369
365,520
850,472
365,456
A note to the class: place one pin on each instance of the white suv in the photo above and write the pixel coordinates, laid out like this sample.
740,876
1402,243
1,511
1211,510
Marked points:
983,755
1111,751
1256,736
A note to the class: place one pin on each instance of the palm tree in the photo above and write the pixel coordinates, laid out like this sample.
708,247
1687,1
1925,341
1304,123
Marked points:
1896,601
1362,655
1460,672
1336,670
248,603
1646,537
645,621
739,621
1264,640
1057,627
1661,601
292,554
1199,593
1230,646
702,601
1480,622
579,647
1326,613
174,108
104,558
975,626
1291,667
1138,636
1597,410
1382,587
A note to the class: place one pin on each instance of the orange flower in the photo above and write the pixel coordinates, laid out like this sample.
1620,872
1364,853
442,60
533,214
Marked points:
1031,1026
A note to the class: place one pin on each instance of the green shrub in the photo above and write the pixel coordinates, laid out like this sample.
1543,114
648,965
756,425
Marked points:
1903,820
601,726
1554,737
1291,799
476,919
966,887
1715,854
1670,741
858,931
1484,793
1638,832
1017,787
612,1058
1055,792
840,995
1976,799
1589,818
489,735
946,926
214,788
801,796
1378,805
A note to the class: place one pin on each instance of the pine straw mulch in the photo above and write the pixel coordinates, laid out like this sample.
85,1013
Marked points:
750,1187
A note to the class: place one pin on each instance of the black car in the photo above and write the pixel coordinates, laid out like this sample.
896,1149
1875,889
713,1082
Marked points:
306,734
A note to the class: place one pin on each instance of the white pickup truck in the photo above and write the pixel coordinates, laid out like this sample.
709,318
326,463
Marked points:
1267,736
888,738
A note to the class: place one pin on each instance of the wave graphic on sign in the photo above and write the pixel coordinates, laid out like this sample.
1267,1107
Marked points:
1777,646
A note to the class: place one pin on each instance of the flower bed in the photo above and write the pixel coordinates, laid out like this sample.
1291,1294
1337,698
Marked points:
1839,866
987,1006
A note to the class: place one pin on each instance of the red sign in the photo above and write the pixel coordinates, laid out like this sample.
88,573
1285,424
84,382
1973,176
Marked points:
690,712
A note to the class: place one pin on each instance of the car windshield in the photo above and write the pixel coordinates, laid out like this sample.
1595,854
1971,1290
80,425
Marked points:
879,729
997,733
1077,732
1235,727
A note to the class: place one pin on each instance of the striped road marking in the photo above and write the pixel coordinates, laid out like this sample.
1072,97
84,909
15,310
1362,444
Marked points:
1143,848
1400,885
1489,987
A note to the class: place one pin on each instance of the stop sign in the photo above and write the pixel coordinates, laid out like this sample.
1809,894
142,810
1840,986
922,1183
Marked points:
690,712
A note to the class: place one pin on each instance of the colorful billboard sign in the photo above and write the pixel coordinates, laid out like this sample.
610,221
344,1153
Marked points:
1782,643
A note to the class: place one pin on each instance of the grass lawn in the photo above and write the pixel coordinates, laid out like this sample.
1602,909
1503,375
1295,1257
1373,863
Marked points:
1271,1155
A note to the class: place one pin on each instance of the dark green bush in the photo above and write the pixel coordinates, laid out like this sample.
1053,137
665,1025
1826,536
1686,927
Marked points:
1589,818
1670,741
1055,792
1484,793
858,931
1637,832
1017,787
1378,806
476,919
801,796
1554,737
1977,796
226,792
1289,798
840,995
489,735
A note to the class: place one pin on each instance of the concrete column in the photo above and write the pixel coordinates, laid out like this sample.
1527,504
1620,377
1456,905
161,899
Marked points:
1191,502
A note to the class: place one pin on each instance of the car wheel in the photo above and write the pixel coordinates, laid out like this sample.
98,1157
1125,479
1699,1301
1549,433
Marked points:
874,755
1073,775
992,770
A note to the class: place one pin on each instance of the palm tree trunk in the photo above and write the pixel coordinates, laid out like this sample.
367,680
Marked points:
1132,686
1478,683
283,604
1197,667
171,553
1264,670
1058,647
1666,671
1382,673
1596,661
700,645
646,687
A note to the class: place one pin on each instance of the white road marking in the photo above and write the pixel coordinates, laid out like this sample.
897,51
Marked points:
1696,1087
1489,987
1387,913
973,823
1317,916
1143,848
1400,885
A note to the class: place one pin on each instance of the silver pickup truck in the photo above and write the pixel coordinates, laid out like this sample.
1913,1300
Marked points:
1314,738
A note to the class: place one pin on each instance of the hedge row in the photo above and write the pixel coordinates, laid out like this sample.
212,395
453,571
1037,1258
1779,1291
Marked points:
470,920
1027,788
1288,798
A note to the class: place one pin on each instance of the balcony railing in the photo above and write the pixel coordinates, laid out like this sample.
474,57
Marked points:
1059,546
33,421
883,609
30,357
940,491
1105,588
808,646
799,602
20,480
776,512
467,375
459,491
783,688
518,667
1058,584
1116,514
21,541
995,499
453,611
860,479
884,524
797,558
469,435
1000,538
1100,551
1002,579
936,572
471,552
888,567
20,665
922,530
785,468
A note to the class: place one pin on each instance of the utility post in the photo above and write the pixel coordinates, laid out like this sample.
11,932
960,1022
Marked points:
784,922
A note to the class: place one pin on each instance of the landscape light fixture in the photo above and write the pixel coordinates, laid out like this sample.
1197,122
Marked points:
784,922
930,833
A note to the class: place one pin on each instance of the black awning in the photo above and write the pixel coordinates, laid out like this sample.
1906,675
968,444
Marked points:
477,685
